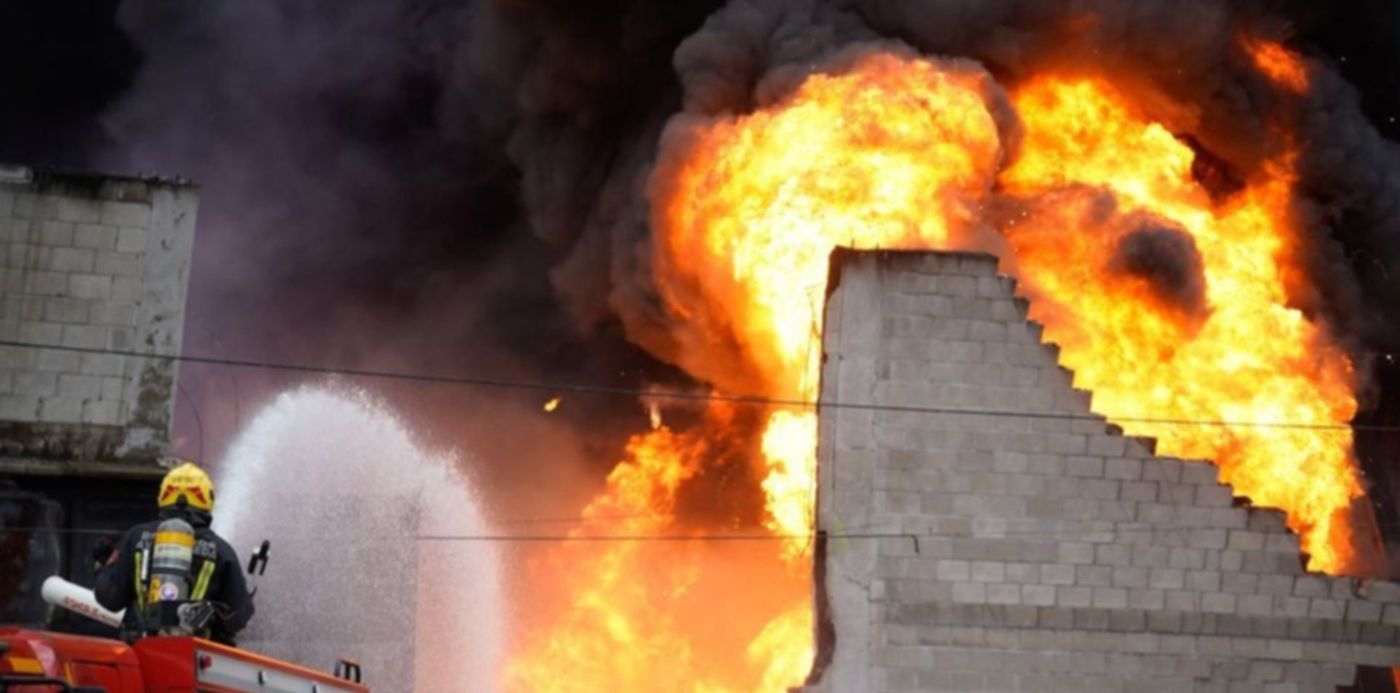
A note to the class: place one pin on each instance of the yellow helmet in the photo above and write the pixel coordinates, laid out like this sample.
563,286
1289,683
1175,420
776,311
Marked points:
189,482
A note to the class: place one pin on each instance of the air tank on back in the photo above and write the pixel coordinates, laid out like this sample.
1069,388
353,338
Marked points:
168,581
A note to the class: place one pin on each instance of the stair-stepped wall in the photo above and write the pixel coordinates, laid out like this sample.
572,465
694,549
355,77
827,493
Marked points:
1042,550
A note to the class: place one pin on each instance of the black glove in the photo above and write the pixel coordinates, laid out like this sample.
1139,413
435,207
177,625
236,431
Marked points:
101,552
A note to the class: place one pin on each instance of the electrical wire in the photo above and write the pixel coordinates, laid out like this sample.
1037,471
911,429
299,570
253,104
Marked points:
576,388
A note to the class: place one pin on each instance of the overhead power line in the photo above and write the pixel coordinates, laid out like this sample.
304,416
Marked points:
589,389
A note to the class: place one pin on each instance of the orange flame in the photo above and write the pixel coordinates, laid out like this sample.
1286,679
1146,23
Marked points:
896,152
1236,353
647,607
1284,67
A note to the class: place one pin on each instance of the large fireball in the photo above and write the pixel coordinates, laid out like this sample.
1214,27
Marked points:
1169,303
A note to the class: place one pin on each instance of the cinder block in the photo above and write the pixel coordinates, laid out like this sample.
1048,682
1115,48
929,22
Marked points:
1074,597
1390,615
1001,593
1214,496
60,410
103,412
1112,555
1282,542
125,214
1110,598
1276,585
55,233
1187,558
952,570
1376,591
1202,473
1268,521
25,205
84,336
1218,603
16,407
114,264
1178,600
1208,538
1150,599
70,260
1362,612
1093,576
1177,494
1140,491
1292,607
95,236
55,360
120,339
1057,574
1038,595
131,240
89,286
1120,468
42,283
1151,556
1240,583
1254,605
35,384
66,310
1082,466
1066,443
988,571
1167,579
79,386
986,331
114,313
1326,609
1160,469
126,289
77,209
1111,446
1129,576
969,593
1076,553
1312,586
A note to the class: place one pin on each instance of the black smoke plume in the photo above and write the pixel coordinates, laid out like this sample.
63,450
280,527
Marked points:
1167,259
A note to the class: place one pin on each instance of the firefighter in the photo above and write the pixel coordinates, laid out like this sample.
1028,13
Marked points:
215,575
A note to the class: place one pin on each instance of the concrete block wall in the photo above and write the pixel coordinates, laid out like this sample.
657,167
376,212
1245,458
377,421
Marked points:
96,263
1043,551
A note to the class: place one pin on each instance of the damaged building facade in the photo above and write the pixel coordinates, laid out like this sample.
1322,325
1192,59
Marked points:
91,265
1039,549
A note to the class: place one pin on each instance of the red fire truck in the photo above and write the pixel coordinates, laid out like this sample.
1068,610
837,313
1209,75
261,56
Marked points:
41,662
34,661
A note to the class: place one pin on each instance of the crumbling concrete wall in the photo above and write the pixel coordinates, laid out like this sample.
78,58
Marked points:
1039,552
96,263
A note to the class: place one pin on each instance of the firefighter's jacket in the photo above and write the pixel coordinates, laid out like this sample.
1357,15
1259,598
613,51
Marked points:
215,575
